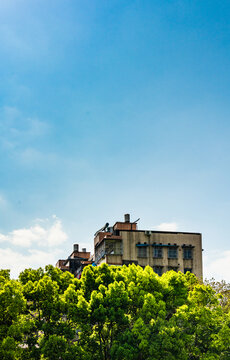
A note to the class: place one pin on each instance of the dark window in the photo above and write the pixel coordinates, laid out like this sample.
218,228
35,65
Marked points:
187,270
172,253
142,251
187,252
158,270
157,252
113,247
174,268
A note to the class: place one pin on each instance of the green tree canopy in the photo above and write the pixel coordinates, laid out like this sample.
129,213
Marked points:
111,313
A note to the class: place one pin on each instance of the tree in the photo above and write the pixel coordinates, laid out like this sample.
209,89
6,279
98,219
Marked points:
111,313
221,288
12,305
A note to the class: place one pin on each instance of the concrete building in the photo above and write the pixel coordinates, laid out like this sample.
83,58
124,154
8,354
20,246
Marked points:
162,250
76,261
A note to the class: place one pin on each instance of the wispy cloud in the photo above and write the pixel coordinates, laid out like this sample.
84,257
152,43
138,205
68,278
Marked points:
48,235
20,137
28,35
217,265
31,157
170,226
17,127
17,42
3,201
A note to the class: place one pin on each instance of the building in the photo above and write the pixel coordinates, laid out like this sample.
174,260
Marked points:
76,261
162,250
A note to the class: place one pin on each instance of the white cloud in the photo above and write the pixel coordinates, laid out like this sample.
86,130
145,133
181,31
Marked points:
217,265
56,235
26,237
17,262
50,234
32,247
171,226
3,238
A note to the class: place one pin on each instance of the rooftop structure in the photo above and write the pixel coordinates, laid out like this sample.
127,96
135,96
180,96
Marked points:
76,261
123,243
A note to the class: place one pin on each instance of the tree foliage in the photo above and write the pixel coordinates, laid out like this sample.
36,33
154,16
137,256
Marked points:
111,313
221,288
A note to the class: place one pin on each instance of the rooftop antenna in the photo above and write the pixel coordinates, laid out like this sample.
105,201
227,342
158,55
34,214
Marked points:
136,221
102,229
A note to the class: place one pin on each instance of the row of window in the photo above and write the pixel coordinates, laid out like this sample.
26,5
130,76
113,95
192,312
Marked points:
172,252
159,269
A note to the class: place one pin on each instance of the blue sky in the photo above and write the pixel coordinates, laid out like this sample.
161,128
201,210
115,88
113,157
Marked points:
108,107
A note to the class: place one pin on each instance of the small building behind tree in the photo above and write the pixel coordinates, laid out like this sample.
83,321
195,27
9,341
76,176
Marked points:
76,261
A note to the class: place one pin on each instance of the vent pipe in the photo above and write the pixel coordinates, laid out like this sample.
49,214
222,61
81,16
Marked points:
75,247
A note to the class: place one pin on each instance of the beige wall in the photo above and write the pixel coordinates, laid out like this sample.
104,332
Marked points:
130,250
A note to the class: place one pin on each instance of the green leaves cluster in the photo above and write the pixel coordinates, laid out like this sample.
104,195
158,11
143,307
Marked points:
111,313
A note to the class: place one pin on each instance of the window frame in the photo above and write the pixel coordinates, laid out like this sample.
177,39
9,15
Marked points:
141,250
186,250
156,251
170,249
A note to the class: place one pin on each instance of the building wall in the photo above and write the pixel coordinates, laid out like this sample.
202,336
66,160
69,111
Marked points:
130,250
76,261
112,260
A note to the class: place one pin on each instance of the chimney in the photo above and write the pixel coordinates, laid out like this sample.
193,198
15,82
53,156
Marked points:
127,218
76,247
83,249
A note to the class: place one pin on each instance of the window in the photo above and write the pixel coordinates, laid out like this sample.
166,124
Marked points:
157,252
174,268
187,270
172,253
142,251
187,252
113,247
158,270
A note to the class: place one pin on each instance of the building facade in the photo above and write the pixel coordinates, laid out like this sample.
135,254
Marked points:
76,261
162,250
